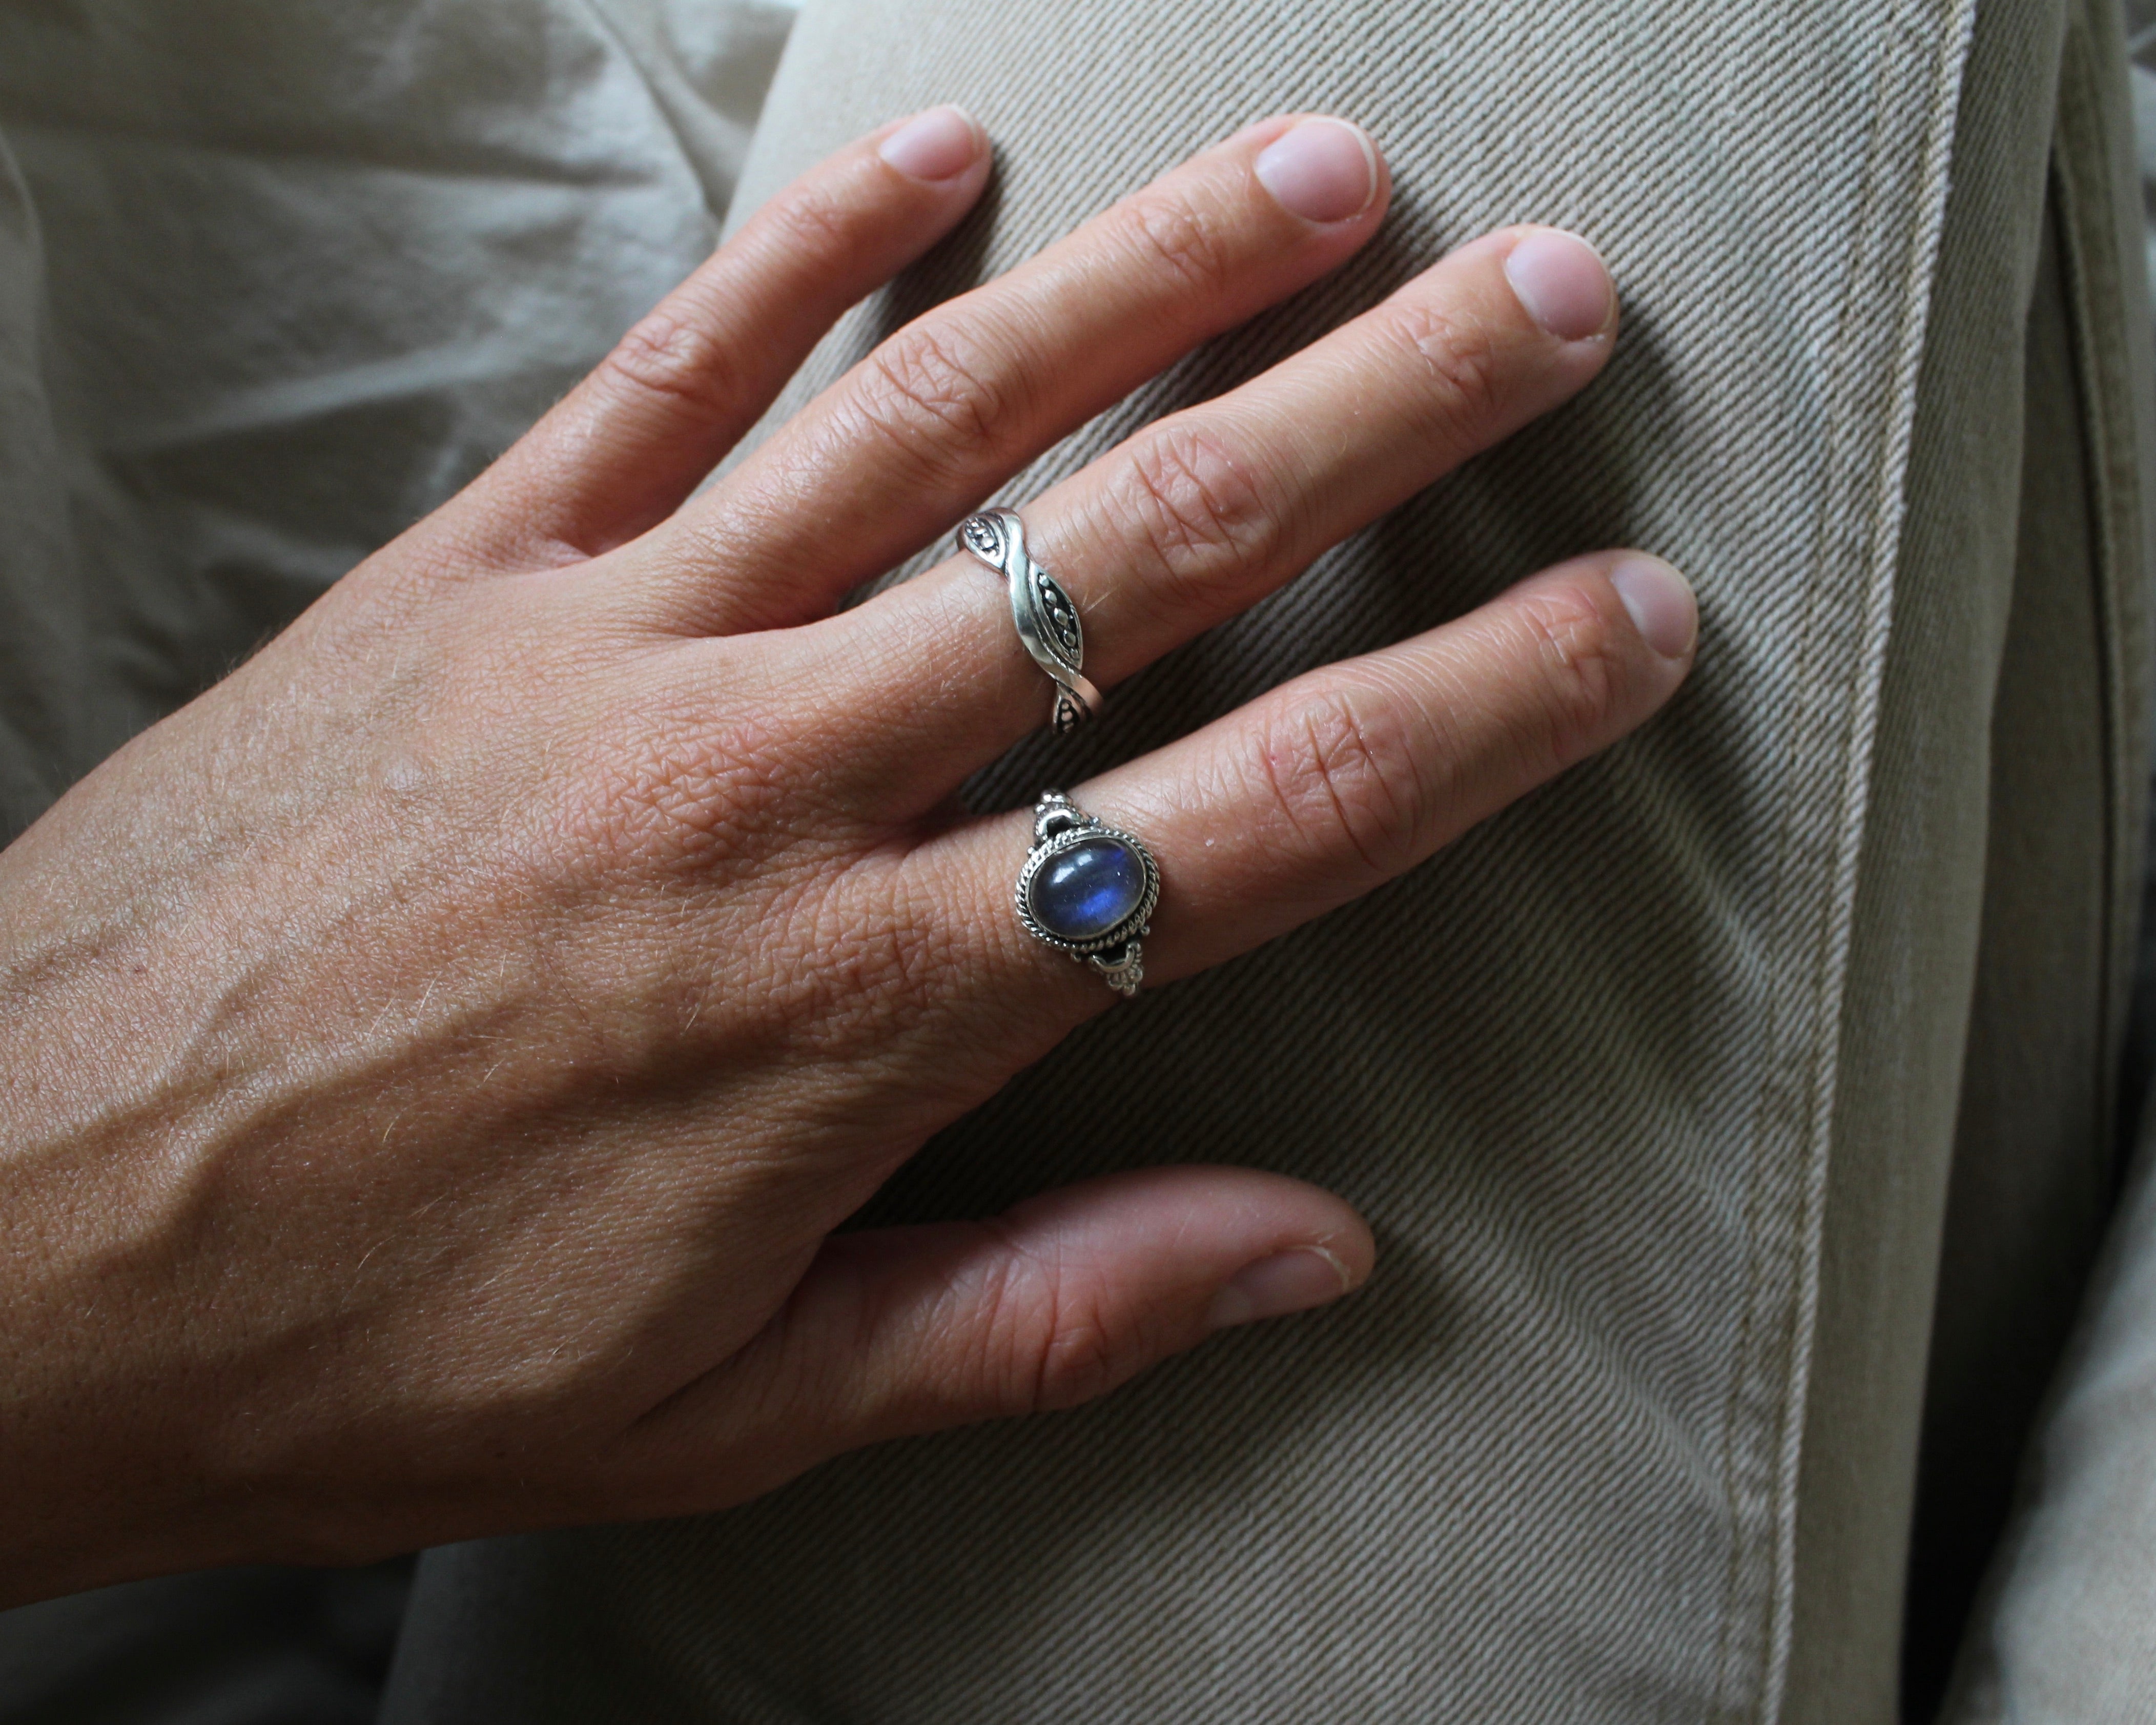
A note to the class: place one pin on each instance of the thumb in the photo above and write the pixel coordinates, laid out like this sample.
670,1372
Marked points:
906,1330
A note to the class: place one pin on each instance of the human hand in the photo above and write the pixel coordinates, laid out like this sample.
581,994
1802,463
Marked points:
432,1063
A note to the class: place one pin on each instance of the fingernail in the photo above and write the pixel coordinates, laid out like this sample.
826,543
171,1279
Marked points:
1322,170
1562,281
939,145
1659,603
1273,1287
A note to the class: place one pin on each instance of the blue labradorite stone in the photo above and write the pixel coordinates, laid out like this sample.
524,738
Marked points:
1081,893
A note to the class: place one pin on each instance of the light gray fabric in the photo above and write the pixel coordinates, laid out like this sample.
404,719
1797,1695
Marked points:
1918,909
2033,1182
41,630
279,277
2066,1634
1648,1087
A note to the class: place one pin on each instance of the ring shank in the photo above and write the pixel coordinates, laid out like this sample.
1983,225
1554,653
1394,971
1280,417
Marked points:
1047,622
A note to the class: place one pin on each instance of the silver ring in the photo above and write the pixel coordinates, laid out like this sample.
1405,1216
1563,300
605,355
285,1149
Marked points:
1089,889
1047,621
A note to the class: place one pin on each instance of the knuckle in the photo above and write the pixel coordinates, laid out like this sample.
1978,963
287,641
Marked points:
670,354
666,800
891,974
1050,1341
931,389
1577,670
887,966
1078,1364
1344,775
809,222
1459,356
1200,513
1186,240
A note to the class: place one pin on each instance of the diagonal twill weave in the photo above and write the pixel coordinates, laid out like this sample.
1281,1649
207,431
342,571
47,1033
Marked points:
1648,1086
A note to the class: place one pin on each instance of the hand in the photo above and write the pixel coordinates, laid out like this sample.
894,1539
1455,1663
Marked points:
432,1063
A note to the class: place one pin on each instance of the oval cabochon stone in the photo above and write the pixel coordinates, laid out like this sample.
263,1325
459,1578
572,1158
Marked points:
1079,894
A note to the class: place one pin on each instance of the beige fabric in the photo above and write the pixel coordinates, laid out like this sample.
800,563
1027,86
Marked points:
2032,1175
2066,1633
2036,1176
2032,1182
1649,1087
41,632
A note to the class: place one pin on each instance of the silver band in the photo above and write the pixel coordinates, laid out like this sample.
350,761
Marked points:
1117,884
1047,621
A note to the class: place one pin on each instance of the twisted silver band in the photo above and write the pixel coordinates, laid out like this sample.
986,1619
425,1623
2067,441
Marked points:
1089,889
1047,621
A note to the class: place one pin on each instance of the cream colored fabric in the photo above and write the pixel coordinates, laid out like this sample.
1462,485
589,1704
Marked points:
42,634
1649,1087
2037,1165
2066,1633
2033,1178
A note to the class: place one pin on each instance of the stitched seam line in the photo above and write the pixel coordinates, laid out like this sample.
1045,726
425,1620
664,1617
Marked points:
1797,1094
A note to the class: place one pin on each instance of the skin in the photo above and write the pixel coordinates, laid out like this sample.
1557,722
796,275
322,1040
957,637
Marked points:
432,1063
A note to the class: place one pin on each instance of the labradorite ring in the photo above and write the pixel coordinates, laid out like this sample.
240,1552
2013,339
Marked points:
1047,621
1089,889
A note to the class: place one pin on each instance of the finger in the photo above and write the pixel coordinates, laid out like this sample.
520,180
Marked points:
908,1330
947,408
1204,513
1347,777
634,438
1325,788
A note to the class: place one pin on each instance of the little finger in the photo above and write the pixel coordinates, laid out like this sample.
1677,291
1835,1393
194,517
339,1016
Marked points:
623,449
900,1331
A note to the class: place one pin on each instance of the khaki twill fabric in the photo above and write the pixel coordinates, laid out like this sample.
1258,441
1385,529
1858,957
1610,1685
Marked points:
269,497
1648,1087
2036,1163
2066,1634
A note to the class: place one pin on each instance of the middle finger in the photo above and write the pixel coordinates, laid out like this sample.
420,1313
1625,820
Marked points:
1205,512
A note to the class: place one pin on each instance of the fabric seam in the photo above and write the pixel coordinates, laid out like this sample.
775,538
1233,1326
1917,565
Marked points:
1813,1093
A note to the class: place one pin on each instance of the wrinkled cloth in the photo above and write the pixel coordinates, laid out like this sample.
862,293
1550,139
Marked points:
276,279
1654,1087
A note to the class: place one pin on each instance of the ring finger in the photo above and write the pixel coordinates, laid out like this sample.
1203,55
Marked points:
954,404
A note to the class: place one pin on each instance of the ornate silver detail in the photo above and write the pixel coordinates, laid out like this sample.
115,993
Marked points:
1047,621
1119,956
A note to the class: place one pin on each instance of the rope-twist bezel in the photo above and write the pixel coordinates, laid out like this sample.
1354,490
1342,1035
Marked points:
1118,954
